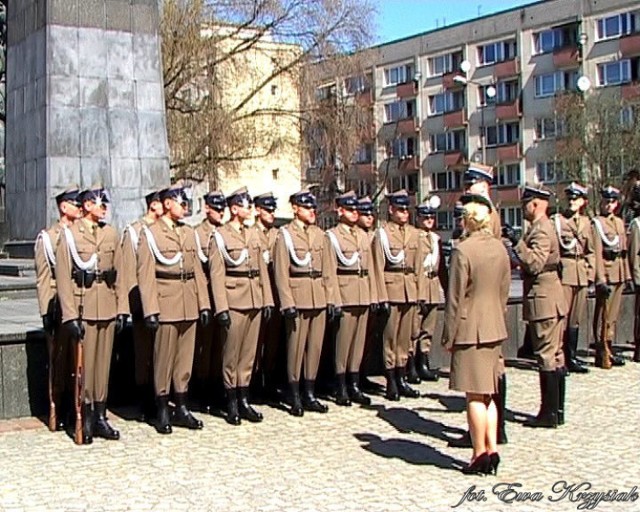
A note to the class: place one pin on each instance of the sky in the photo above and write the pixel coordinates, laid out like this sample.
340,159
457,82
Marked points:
402,18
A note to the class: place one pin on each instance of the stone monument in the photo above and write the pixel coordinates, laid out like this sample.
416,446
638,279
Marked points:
85,105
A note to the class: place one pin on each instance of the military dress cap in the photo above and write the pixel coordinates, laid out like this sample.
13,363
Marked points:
478,172
239,197
266,201
304,198
70,195
399,198
152,196
610,192
474,198
365,206
215,200
96,193
574,190
348,200
536,191
458,210
176,191
429,207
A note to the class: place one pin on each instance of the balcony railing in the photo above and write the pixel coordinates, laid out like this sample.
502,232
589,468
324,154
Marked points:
630,45
409,163
454,158
509,153
508,110
630,91
407,90
408,126
448,81
506,69
364,169
455,119
566,57
364,98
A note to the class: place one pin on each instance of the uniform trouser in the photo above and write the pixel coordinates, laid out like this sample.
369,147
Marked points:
636,323
97,347
305,334
60,351
268,344
612,309
143,352
546,340
202,359
350,338
576,298
239,347
173,356
373,321
424,327
396,338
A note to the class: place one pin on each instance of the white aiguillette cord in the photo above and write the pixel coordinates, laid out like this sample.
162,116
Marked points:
48,248
151,241
603,237
201,255
292,251
567,247
384,242
90,264
431,259
135,240
244,254
344,261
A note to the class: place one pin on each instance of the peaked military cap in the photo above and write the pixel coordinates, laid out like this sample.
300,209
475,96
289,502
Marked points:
176,191
348,200
365,206
215,200
474,198
478,172
152,196
535,191
576,190
70,195
429,207
610,192
399,198
239,197
458,210
96,193
266,201
304,198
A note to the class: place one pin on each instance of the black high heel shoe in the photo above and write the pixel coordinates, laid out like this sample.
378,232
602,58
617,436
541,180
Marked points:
494,461
481,465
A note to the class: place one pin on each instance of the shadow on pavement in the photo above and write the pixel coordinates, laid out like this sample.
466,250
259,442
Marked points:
450,403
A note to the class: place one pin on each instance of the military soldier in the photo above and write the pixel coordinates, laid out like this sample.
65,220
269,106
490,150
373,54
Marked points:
207,363
269,339
578,267
426,313
398,257
143,337
70,210
351,287
89,279
634,264
174,296
544,306
242,296
612,272
300,265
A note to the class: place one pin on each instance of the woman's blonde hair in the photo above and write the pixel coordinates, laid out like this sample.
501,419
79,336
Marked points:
476,217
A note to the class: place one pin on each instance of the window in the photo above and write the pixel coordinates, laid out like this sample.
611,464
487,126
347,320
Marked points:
613,73
355,84
497,52
446,180
398,74
403,147
399,110
506,133
444,220
364,154
615,26
409,182
550,172
508,174
446,102
507,91
627,116
453,140
443,64
326,92
549,84
511,215
549,128
548,40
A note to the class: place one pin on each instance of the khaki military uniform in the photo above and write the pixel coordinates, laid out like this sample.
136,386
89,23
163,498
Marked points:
401,285
544,305
372,320
176,292
612,268
242,289
302,287
634,265
354,289
98,303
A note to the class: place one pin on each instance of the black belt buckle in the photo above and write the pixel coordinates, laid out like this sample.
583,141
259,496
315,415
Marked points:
184,276
431,275
253,273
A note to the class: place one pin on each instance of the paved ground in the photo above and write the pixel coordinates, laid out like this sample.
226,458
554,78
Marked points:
389,457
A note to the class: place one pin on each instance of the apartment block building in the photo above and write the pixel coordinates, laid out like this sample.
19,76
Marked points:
485,90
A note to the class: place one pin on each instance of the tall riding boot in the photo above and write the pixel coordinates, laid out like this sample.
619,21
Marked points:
636,352
309,400
233,416
356,395
342,397
403,388
571,350
562,381
101,427
163,423
411,372
295,400
500,399
424,366
616,360
548,415
246,411
182,417
87,424
392,387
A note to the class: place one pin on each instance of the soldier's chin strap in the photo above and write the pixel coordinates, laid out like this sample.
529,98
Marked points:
232,262
609,243
431,259
292,251
151,241
384,242
90,264
344,261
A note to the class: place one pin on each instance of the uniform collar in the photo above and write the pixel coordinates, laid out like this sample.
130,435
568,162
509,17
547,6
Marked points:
169,222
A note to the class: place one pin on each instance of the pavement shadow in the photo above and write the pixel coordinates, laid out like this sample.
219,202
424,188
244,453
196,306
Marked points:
450,403
408,451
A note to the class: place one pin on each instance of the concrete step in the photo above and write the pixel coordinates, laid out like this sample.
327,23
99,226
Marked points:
19,248
17,267
18,287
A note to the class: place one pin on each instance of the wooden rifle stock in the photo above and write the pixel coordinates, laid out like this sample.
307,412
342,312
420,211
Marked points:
78,388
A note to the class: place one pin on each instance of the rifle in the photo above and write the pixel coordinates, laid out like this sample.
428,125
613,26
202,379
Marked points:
603,333
79,376
51,347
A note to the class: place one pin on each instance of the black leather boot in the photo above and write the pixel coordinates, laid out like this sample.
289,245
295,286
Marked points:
163,423
295,400
616,360
87,424
424,367
403,388
571,350
636,352
182,417
500,399
233,416
548,415
392,388
246,411
355,394
309,400
101,427
342,397
562,381
411,372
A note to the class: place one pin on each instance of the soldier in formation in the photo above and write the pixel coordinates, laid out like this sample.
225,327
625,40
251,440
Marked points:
634,265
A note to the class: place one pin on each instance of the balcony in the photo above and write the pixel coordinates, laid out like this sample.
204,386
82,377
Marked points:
509,153
448,81
630,92
448,198
364,98
408,126
455,119
508,110
364,169
566,57
408,163
506,69
454,158
630,45
407,90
